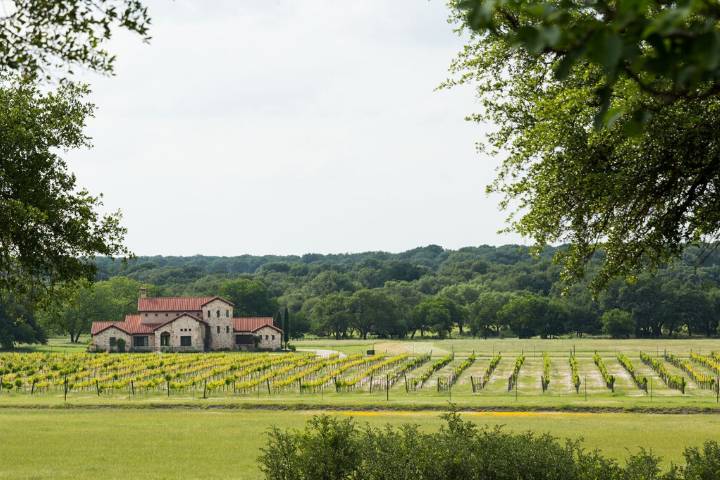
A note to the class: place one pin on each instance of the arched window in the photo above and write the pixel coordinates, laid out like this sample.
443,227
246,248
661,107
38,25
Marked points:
165,339
227,329
218,328
218,313
227,313
208,313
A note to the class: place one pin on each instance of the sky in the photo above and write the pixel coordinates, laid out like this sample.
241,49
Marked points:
288,127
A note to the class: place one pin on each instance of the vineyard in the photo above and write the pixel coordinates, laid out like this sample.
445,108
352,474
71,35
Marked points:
468,376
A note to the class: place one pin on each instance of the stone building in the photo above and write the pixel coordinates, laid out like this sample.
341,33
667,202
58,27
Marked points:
185,324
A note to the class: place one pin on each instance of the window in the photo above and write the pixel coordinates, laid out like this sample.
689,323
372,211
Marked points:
227,313
227,329
266,337
208,313
156,314
218,313
113,341
218,328
140,341
273,337
166,314
165,339
186,341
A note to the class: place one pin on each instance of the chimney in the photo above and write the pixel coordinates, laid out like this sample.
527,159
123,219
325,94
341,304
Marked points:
143,292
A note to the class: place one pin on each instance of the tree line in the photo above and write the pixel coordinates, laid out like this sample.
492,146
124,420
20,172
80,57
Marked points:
480,291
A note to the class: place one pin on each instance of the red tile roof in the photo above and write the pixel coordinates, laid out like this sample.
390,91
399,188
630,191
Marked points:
98,327
133,325
174,304
250,324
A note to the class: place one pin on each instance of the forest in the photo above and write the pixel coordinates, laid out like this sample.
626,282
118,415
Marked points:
483,291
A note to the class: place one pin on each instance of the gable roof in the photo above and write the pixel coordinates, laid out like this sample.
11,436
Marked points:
250,324
158,325
175,304
133,325
98,327
279,330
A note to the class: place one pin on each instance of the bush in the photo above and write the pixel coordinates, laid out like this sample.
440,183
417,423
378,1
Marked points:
332,448
121,345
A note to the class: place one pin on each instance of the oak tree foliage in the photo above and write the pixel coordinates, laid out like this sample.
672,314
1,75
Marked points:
51,37
50,229
606,115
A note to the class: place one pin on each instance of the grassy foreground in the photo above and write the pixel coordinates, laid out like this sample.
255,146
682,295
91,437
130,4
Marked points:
142,444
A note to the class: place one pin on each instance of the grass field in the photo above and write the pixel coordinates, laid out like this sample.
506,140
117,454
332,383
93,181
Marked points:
141,444
152,435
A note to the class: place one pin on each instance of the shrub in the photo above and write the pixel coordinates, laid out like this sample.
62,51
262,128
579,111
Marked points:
332,448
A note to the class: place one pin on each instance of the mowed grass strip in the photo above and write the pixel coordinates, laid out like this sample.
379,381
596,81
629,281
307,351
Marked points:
142,444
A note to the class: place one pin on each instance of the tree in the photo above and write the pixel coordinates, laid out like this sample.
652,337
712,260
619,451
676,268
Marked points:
286,325
645,184
38,36
374,311
530,314
435,314
17,322
406,296
251,297
667,50
462,295
74,307
331,315
484,318
50,228
617,323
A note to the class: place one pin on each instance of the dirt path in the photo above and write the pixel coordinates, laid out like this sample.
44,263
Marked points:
322,353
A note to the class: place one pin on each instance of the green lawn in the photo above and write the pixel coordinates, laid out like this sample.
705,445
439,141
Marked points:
57,345
179,443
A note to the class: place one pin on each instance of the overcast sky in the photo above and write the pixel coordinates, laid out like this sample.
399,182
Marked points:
287,127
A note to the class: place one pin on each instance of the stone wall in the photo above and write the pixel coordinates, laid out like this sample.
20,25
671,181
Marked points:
183,326
221,327
269,338
101,341
162,317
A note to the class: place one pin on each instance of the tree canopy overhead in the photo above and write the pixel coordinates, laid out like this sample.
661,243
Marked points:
645,184
669,50
47,36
